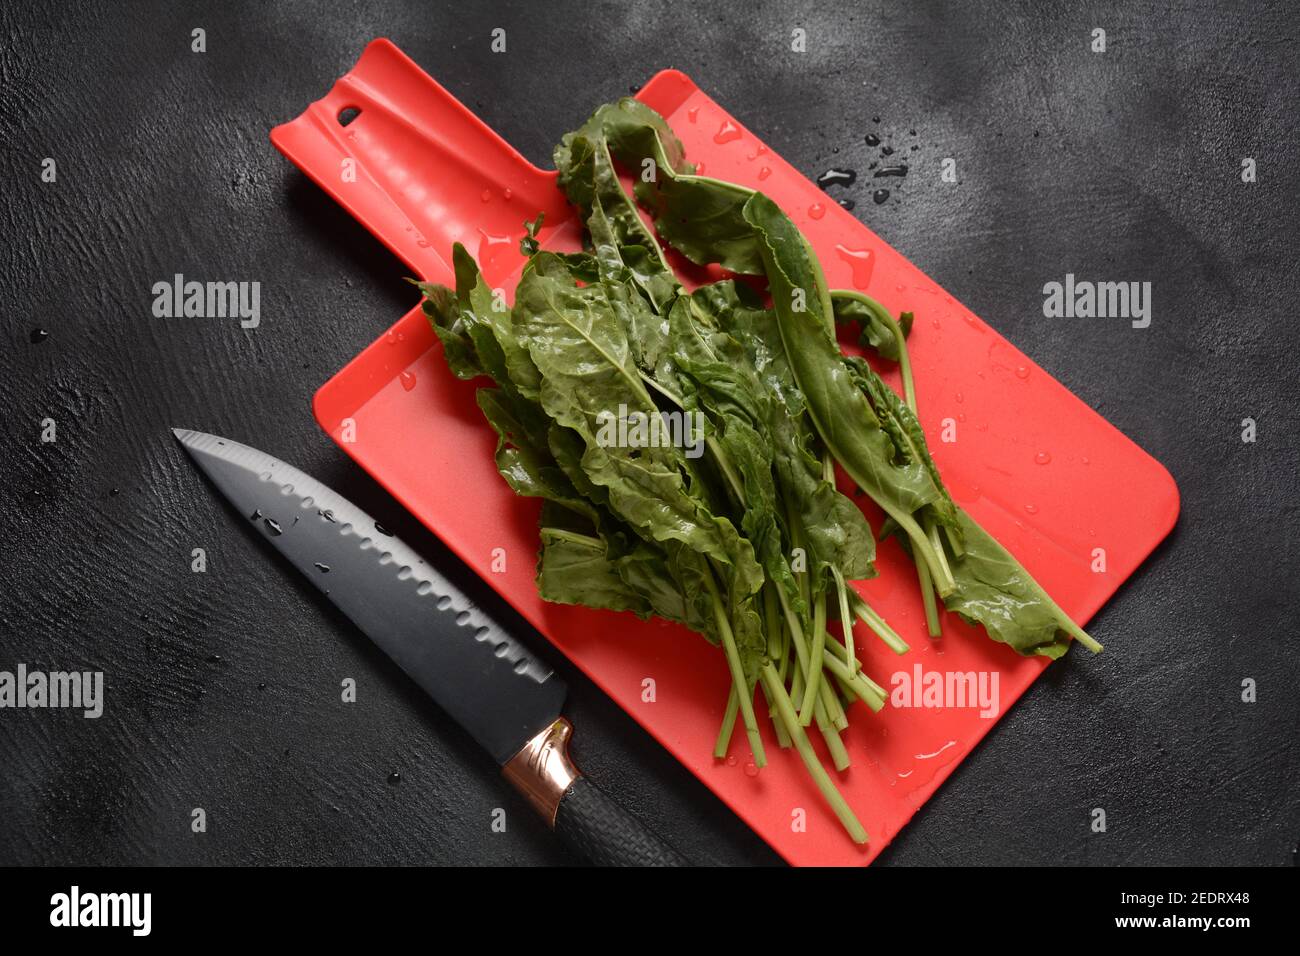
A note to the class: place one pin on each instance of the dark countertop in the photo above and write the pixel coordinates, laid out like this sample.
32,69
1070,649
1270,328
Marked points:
223,688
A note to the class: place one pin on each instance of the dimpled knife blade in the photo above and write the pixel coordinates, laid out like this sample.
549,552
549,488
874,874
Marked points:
480,675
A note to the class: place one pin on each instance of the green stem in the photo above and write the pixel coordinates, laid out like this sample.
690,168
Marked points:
862,686
796,630
831,706
782,738
954,541
875,688
737,674
835,746
723,743
823,780
885,316
932,531
881,627
846,619
813,669
775,651
932,624
867,690
847,694
786,653
1074,630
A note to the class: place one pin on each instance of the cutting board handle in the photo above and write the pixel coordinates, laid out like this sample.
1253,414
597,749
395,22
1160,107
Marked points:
418,169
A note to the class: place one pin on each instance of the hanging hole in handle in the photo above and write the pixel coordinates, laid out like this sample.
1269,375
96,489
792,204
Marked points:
348,114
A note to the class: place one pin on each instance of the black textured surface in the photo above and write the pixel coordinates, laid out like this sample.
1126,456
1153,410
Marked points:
602,833
223,688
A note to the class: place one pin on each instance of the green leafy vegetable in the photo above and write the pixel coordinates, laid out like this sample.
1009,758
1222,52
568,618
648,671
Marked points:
734,526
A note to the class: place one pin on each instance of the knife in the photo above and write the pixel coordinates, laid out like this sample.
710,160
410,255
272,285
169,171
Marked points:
488,682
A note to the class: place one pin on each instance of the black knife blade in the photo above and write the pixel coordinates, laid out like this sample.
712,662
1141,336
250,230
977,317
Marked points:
507,699
478,673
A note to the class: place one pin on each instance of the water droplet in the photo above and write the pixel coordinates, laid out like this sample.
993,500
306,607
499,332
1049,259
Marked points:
272,526
847,204
699,169
861,261
382,530
486,195
1085,460
875,119
728,132
751,769
261,687
257,513
896,169
731,761
507,194
38,336
390,337
961,416
322,568
214,658
1032,509
394,778
1042,458
886,151
764,173
879,196
493,247
1022,371
837,177
759,150
816,210
693,114
408,380
872,139
327,514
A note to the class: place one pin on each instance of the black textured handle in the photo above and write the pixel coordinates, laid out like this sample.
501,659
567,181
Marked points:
603,833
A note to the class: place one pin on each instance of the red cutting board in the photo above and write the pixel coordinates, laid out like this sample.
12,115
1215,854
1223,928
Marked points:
1042,471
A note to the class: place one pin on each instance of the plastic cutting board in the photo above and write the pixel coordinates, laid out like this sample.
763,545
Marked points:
1042,471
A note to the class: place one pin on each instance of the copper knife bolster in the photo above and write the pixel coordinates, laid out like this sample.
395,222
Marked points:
542,770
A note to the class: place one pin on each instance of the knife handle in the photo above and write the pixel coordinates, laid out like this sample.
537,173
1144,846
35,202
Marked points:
592,824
